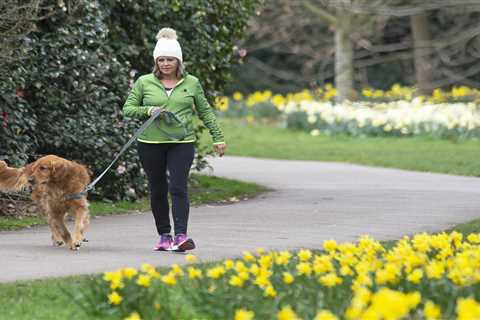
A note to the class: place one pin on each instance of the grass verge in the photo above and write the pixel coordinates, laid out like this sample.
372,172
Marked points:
203,189
417,153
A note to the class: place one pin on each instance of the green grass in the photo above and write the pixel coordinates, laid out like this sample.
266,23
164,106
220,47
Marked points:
468,227
203,189
41,299
419,153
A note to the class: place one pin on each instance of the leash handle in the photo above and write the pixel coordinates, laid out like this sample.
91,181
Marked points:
168,116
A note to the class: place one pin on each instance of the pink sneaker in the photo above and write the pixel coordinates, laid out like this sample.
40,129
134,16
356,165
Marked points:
182,243
164,243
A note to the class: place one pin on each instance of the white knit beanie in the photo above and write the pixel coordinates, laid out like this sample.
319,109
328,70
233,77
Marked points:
167,45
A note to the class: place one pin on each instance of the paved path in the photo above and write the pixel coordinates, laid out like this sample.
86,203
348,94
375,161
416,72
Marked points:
311,202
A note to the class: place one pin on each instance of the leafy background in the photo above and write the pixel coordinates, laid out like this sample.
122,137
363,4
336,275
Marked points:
64,94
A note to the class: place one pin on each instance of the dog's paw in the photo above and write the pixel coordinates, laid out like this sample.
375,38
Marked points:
76,245
58,243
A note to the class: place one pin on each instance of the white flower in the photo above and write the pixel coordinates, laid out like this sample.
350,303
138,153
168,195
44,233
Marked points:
121,169
312,119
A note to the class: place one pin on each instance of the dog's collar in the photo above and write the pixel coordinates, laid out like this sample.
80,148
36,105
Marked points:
75,196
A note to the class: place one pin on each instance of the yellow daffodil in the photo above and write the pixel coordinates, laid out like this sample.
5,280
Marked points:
169,279
244,275
177,270
415,276
262,281
194,273
236,281
391,304
468,309
325,315
221,103
260,251
286,313
129,273
330,280
304,255
435,270
304,268
237,96
270,292
474,238
254,269
115,276
244,314
346,271
288,278
330,245
133,316
114,298
432,311
215,272
190,258
283,258
265,261
144,280
240,266
229,264
322,264
146,267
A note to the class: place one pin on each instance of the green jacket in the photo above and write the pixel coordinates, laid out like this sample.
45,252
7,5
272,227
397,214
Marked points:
149,92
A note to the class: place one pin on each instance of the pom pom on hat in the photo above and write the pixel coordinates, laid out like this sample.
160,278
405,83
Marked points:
167,45
167,33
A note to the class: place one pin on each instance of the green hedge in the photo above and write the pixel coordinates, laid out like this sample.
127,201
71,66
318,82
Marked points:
65,94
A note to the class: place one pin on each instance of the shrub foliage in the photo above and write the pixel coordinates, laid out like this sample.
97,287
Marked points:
64,96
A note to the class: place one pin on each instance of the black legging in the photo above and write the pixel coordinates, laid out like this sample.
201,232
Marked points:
177,158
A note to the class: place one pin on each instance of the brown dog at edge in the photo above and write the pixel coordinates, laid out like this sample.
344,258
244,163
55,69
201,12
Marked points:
52,178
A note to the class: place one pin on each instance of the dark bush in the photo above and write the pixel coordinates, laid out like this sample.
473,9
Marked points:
65,95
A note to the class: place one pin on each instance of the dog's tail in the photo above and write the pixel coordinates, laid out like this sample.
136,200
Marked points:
12,179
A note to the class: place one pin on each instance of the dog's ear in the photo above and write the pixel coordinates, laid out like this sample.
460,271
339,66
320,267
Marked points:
60,171
3,165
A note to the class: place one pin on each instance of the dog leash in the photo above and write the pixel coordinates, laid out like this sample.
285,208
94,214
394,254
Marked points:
168,116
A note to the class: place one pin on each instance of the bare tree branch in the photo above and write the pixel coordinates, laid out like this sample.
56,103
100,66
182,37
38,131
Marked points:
272,71
320,13
402,10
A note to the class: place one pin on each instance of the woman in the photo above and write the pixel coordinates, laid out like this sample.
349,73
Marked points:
168,143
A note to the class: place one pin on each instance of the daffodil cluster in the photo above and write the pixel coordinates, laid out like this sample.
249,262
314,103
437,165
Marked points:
421,277
394,112
328,94
400,118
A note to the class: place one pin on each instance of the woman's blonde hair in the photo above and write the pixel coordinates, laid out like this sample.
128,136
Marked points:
180,70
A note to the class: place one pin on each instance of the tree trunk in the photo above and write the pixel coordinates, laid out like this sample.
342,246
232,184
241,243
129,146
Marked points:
343,56
422,53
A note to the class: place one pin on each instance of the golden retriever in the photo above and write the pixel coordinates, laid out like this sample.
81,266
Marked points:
53,178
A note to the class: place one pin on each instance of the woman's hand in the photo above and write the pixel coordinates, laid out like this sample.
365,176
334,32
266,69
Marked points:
155,109
220,148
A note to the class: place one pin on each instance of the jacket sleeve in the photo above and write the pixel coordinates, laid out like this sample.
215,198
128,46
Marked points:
206,114
132,107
